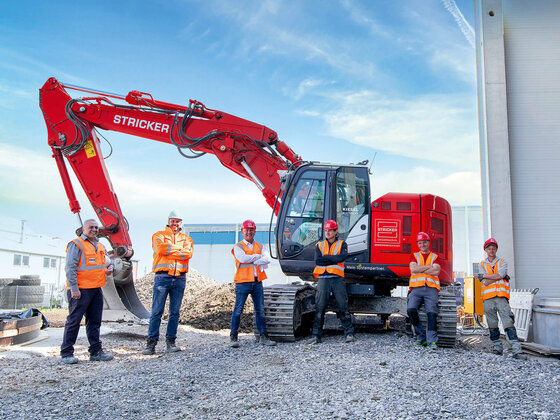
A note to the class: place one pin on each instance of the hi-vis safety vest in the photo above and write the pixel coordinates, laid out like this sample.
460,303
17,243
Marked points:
246,271
499,288
172,252
334,249
90,272
421,279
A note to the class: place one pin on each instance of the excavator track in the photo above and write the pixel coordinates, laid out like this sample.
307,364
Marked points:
447,318
285,307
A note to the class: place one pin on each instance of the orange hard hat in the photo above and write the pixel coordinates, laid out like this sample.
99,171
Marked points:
249,224
331,224
489,242
422,236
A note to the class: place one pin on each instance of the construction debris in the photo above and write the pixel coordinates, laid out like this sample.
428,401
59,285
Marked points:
206,303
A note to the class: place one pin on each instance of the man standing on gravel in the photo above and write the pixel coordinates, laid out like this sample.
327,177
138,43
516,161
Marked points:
172,252
424,289
330,255
251,259
86,266
495,297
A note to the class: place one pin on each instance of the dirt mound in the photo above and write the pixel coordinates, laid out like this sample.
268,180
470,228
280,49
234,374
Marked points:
206,303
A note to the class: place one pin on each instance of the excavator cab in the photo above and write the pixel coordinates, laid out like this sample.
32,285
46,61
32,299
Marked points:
316,193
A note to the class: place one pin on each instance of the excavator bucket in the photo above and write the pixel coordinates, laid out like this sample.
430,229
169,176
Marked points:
121,302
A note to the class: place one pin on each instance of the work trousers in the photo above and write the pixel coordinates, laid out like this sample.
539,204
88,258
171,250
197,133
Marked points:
336,286
164,285
242,291
429,296
90,304
495,306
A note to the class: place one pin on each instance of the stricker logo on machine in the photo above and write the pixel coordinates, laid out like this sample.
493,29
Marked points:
138,123
387,232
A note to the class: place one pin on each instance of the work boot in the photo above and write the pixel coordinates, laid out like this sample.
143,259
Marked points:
265,341
233,341
432,346
150,347
171,347
69,360
421,343
313,340
349,338
497,347
101,356
517,350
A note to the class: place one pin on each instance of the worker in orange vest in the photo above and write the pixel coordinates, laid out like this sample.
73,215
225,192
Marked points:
330,255
495,297
424,289
87,264
172,252
251,259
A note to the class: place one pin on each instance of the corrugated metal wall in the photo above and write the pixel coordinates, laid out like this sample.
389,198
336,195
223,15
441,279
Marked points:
531,42
532,53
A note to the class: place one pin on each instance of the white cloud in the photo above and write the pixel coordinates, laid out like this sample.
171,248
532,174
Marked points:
436,128
464,26
305,87
459,188
142,194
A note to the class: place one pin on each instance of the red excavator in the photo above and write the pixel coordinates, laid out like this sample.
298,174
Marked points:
303,195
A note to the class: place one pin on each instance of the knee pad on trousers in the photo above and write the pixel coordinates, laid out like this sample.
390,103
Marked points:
494,334
413,315
511,333
432,321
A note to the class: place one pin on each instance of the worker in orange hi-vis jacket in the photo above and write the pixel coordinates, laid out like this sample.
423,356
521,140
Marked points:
87,264
172,252
495,296
251,260
424,289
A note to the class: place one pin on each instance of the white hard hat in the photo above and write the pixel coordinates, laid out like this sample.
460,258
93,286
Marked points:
174,215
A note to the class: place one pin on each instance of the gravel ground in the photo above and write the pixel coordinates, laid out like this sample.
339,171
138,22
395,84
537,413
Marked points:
381,375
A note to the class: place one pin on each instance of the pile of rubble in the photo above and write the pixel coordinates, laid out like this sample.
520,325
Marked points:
206,303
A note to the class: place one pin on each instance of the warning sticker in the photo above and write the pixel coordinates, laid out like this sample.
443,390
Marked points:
387,232
90,151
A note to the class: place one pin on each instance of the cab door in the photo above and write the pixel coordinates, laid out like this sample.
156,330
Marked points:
300,221
352,210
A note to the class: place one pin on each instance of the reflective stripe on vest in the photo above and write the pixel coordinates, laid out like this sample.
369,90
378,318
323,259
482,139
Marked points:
245,272
90,272
162,260
421,279
334,249
499,288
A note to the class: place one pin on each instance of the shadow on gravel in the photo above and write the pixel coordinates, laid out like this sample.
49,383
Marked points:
125,335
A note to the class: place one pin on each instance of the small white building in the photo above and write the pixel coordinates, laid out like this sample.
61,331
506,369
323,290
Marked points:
25,252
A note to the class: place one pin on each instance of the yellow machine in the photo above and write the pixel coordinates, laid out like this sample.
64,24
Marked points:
473,296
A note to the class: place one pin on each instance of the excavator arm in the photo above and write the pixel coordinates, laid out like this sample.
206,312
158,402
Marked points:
251,150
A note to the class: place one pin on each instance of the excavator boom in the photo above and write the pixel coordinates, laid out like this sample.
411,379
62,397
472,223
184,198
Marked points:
251,150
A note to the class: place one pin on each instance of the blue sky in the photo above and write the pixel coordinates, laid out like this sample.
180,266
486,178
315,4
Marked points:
340,81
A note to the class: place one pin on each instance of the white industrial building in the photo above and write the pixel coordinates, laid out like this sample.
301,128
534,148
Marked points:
25,252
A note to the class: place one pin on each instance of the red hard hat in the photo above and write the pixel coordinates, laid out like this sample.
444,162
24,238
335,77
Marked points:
489,242
331,224
422,236
249,224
